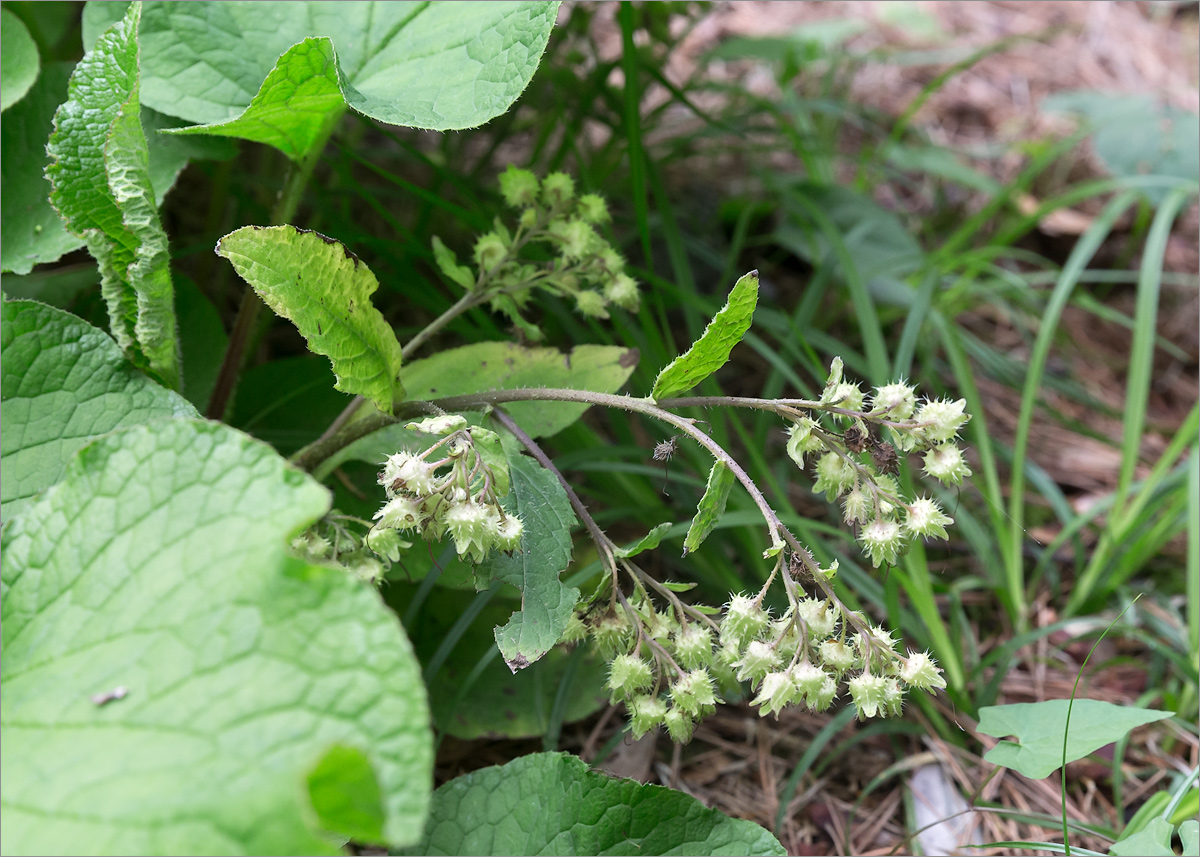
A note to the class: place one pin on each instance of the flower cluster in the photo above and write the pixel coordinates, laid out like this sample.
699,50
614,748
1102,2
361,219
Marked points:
454,492
584,269
856,463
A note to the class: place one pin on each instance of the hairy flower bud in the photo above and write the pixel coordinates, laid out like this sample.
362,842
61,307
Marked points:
844,395
386,542
801,440
777,692
592,208
868,692
627,675
883,541
820,616
518,187
857,506
925,518
834,475
590,303
558,188
575,631
693,647
897,401
508,533
921,671
645,713
837,656
945,463
400,513
760,658
490,250
407,472
623,291
680,725
613,635
744,621
693,693
810,681
943,418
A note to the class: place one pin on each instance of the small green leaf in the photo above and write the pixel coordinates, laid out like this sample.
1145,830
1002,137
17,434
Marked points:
19,60
1039,727
158,566
294,106
63,383
710,508
711,350
553,803
1154,840
344,793
322,288
447,263
648,542
1189,835
431,65
491,454
32,232
505,366
443,425
99,172
546,604
676,586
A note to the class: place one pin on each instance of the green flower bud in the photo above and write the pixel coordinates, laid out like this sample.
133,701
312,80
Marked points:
574,236
590,303
869,694
613,635
693,647
844,395
897,401
777,692
820,616
924,518
623,291
528,219
886,485
592,208
744,621
810,681
576,630
473,526
365,568
490,250
837,656
387,542
645,713
857,506
760,658
508,533
612,261
801,440
693,693
312,547
518,187
945,463
627,675
943,418
834,475
400,513
876,648
407,472
823,698
882,541
680,726
921,671
558,188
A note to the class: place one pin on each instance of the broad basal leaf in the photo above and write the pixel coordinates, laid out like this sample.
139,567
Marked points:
1039,728
99,172
63,383
31,231
1189,836
711,506
324,290
19,60
552,803
296,105
1154,840
425,65
711,350
505,366
174,682
546,604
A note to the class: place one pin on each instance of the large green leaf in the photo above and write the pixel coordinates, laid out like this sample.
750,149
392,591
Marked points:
711,507
1039,728
155,573
63,383
1154,840
19,60
426,65
500,703
546,604
711,350
325,290
505,366
552,803
295,106
100,175
31,231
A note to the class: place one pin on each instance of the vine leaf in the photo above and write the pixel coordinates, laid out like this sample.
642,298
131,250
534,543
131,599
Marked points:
323,288
710,508
546,604
553,803
711,351
100,179
63,383
1039,728
173,681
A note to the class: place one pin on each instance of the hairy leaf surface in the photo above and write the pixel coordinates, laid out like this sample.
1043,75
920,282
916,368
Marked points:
99,172
710,352
553,803
63,383
546,604
322,288
172,677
